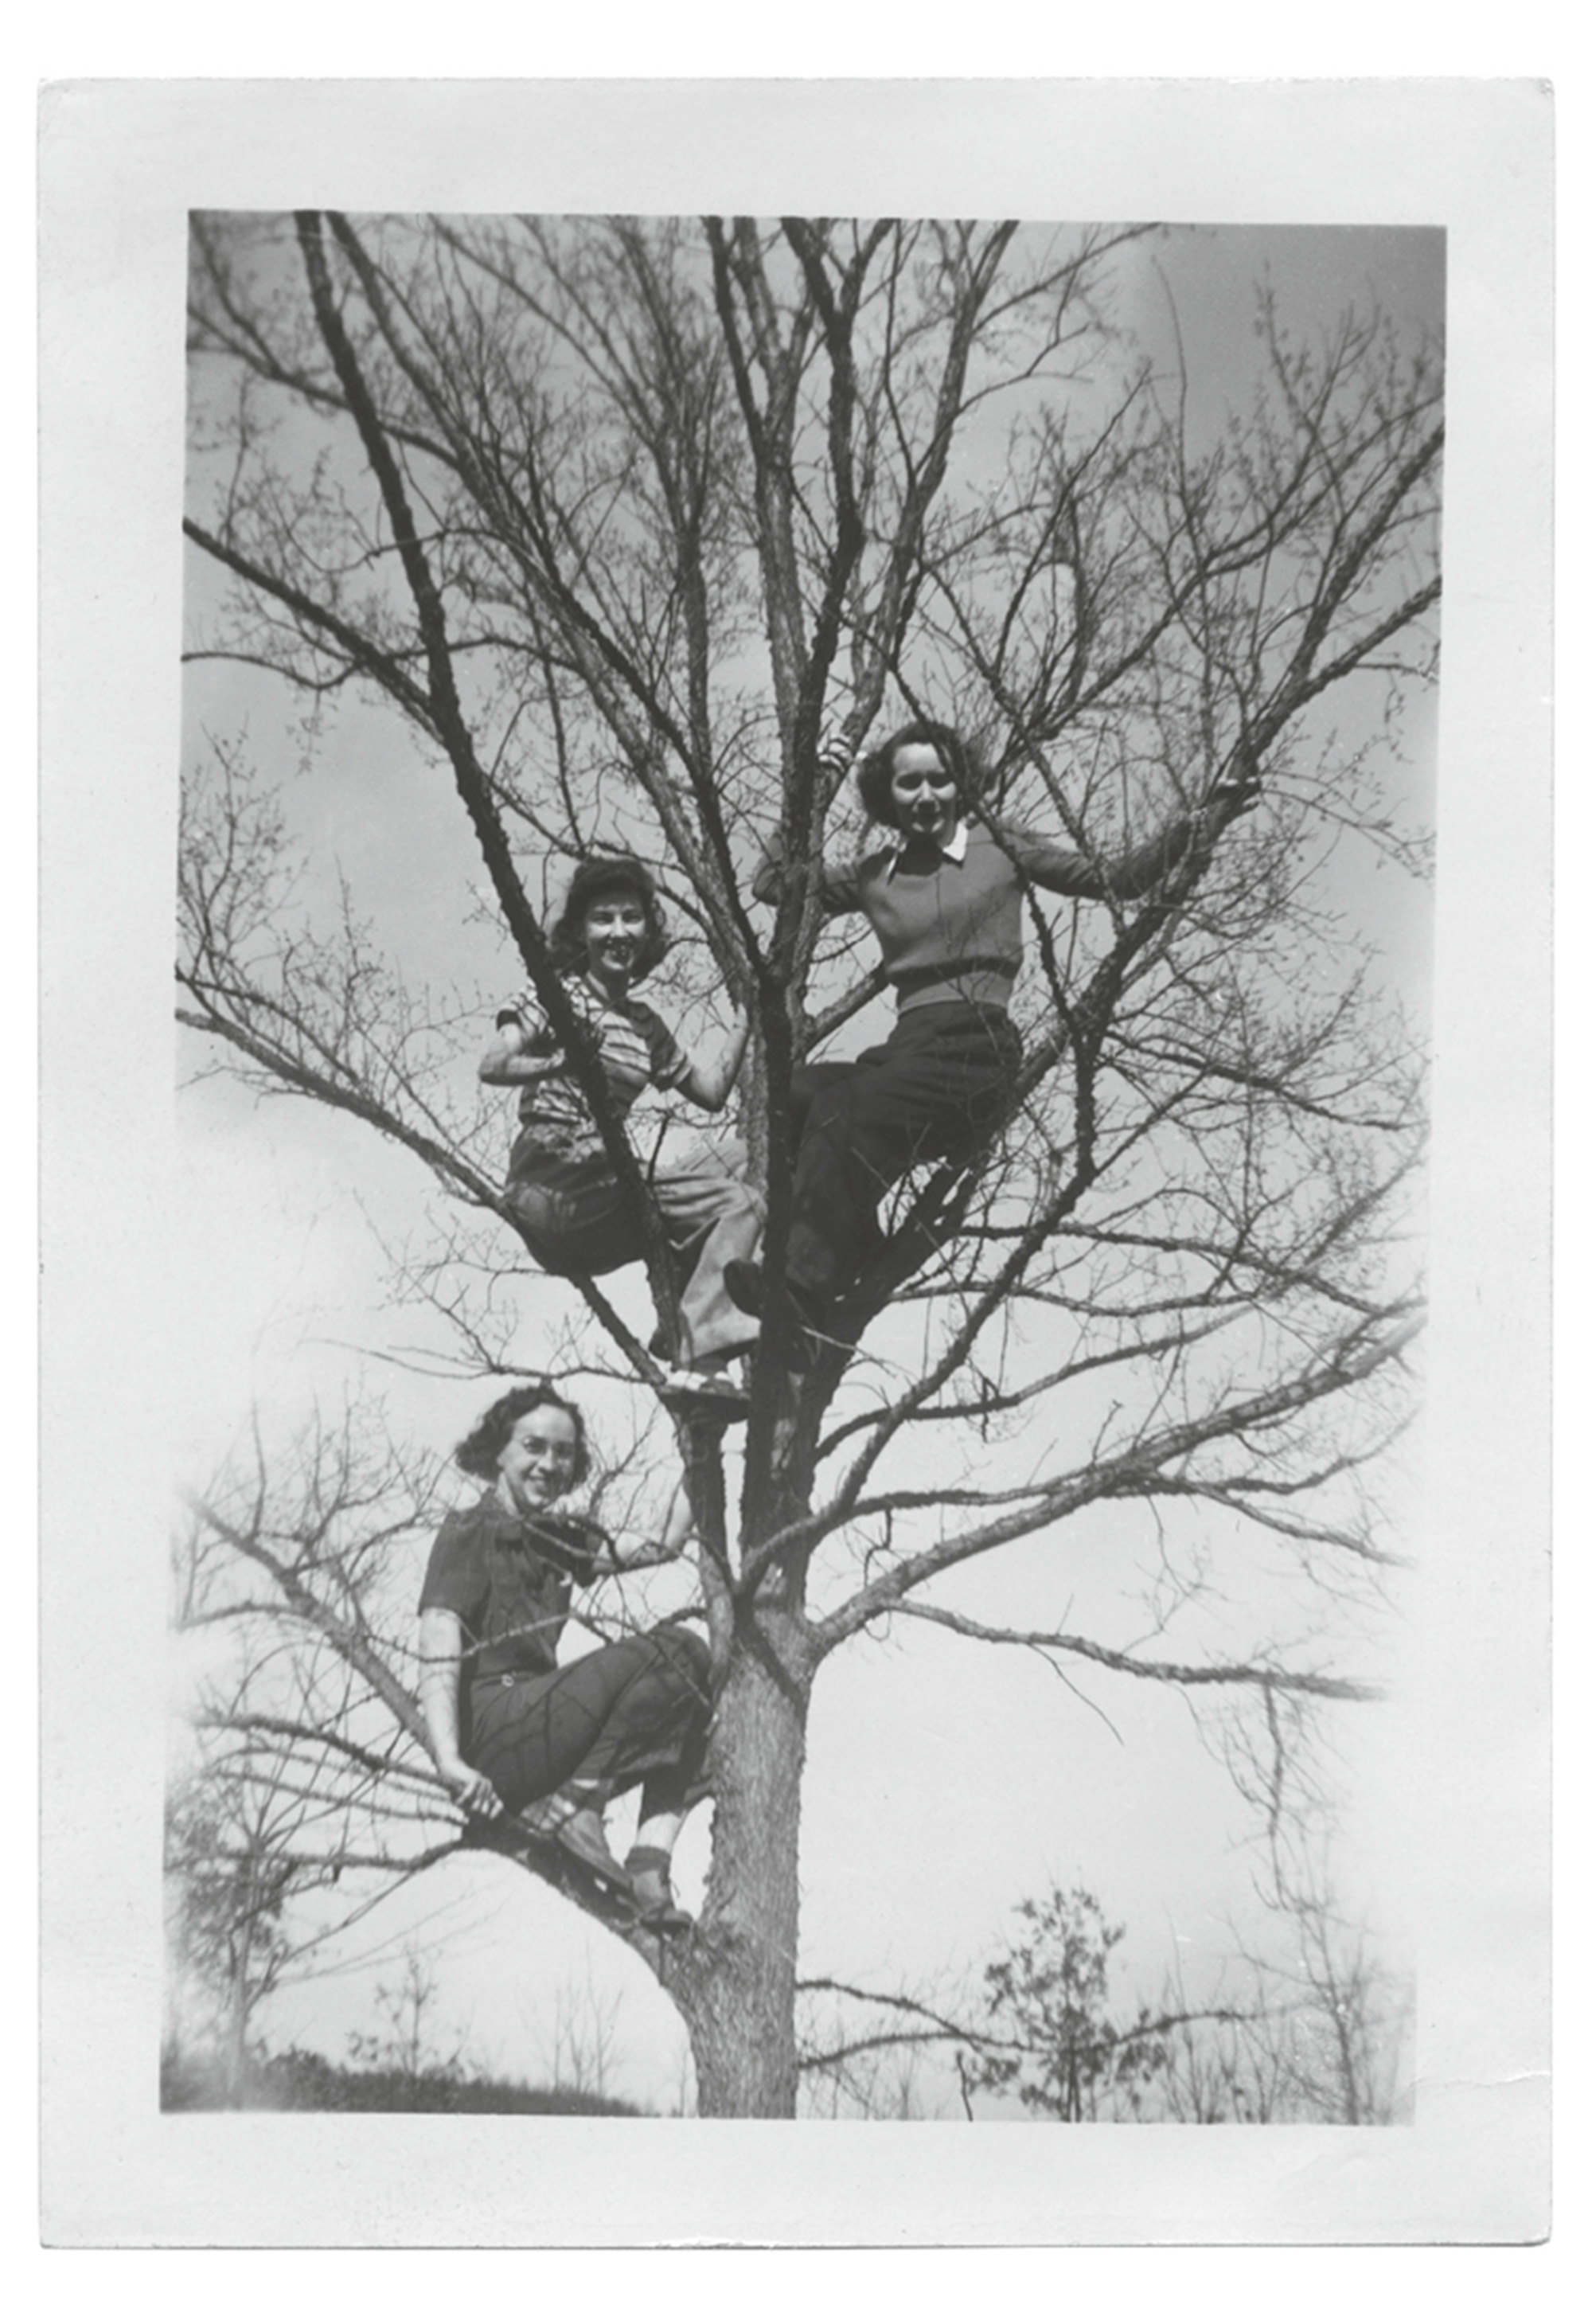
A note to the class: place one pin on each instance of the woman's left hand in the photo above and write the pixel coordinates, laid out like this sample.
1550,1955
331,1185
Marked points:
645,1550
1238,796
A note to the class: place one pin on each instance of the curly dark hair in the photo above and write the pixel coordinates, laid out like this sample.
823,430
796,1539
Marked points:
873,776
598,876
477,1455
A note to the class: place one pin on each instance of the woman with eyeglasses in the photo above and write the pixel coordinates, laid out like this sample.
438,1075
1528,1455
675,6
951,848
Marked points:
515,1732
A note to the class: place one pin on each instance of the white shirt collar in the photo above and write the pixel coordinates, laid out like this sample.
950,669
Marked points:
953,851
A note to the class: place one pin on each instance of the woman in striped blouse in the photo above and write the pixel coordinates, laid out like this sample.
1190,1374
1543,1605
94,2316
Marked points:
562,1187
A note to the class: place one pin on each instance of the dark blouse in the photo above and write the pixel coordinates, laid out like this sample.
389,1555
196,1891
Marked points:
509,1579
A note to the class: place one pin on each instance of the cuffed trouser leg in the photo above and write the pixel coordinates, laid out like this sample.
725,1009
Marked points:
711,1216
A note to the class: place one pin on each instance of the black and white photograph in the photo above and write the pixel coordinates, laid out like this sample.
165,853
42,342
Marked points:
800,1450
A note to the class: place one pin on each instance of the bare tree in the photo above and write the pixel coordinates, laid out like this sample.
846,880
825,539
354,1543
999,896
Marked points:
1051,2037
640,527
1330,2014
230,1888
276,1806
410,2043
1321,2035
1308,2023
580,2048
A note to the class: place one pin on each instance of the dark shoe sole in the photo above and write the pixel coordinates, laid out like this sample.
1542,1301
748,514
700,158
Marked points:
660,1913
743,1280
668,1921
748,1287
705,1403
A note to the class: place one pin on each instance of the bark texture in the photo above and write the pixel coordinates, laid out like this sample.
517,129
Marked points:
736,1986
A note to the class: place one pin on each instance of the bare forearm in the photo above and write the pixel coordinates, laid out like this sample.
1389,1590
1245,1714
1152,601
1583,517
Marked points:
441,1658
711,1084
439,1708
506,1063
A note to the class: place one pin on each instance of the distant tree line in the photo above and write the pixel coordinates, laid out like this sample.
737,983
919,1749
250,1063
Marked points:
299,2082
1321,2033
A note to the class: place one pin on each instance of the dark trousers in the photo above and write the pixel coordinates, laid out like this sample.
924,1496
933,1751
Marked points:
637,1708
941,1083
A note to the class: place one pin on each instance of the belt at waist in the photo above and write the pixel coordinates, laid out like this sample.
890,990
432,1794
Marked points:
976,983
947,972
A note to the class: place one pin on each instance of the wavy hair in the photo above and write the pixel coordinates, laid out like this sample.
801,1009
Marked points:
477,1455
873,776
599,875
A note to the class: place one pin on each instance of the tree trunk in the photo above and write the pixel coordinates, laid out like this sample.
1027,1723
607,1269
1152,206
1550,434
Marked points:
236,2049
737,1990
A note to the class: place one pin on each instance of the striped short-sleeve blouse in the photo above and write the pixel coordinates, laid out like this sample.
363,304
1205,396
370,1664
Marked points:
636,1049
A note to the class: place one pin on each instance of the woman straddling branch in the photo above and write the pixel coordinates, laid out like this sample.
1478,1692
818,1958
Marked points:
512,1731
944,898
562,1187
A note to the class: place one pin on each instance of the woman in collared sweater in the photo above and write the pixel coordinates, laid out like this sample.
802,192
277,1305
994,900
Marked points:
945,899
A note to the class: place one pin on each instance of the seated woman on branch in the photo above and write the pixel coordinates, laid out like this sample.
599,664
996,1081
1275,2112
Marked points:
943,897
513,1731
577,1216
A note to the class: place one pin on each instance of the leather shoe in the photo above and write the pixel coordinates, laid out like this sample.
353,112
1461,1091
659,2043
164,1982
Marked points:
654,1894
578,1830
748,1287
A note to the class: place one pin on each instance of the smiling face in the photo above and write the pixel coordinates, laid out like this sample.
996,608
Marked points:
614,929
538,1461
923,791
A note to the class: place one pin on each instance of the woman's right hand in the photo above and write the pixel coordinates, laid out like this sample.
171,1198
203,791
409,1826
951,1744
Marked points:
471,1788
504,1063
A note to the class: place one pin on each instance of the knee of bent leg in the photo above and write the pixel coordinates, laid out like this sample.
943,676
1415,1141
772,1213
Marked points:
686,1654
533,1214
